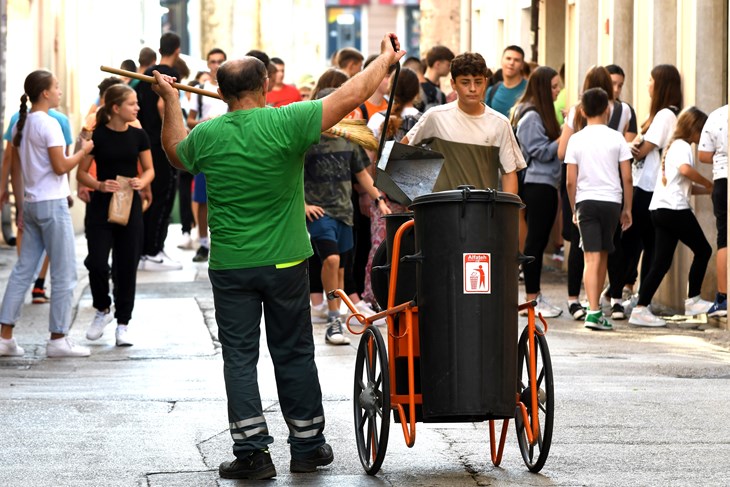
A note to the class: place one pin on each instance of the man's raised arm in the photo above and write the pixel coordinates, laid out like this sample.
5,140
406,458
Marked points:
173,128
361,86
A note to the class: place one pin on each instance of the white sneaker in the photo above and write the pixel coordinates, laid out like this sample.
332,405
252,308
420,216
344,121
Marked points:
160,262
96,329
122,336
186,242
64,347
696,306
630,303
334,333
319,313
10,348
546,309
643,317
364,309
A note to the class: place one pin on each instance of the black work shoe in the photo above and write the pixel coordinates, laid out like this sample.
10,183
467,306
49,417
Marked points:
318,458
256,466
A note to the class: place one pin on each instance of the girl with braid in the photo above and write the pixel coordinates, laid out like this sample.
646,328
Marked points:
46,219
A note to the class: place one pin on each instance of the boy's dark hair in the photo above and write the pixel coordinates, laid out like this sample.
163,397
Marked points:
129,65
260,55
106,83
278,60
594,102
347,55
516,49
615,69
438,53
169,43
468,64
414,63
147,57
216,50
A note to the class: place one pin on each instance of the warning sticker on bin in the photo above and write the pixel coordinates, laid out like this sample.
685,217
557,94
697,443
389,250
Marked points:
477,273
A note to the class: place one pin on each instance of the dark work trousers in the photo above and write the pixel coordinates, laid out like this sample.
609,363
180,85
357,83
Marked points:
125,242
541,202
639,236
157,216
238,295
184,184
674,226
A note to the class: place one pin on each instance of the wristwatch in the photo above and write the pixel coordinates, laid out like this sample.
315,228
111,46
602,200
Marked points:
377,200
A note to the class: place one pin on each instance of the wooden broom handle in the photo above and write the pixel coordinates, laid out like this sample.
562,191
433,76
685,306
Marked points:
151,79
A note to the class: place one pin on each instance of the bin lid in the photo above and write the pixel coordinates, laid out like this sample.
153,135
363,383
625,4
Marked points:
405,172
468,194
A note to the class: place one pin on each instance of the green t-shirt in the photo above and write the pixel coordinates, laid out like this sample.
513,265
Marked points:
253,164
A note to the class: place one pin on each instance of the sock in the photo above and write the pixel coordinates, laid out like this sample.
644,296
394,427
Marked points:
597,312
722,296
39,283
204,242
615,301
331,315
694,299
122,327
575,301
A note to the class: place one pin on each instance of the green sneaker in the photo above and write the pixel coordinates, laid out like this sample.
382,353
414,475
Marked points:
596,321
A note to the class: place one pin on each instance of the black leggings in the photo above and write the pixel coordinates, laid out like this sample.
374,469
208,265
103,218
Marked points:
640,236
674,226
157,216
541,202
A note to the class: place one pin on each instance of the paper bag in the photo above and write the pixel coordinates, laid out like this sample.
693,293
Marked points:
121,203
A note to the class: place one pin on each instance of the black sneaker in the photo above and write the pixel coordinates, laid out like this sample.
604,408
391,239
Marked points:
256,466
617,312
318,458
577,311
201,255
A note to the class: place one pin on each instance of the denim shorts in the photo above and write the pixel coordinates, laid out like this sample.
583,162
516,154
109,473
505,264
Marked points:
200,194
328,228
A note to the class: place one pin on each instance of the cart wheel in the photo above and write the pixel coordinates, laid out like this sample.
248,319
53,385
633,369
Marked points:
372,400
535,455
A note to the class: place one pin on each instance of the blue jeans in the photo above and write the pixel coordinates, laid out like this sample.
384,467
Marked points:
47,226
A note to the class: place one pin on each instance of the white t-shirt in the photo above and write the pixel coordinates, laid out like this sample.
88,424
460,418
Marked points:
41,132
675,195
597,150
211,107
714,139
623,122
377,119
491,128
659,133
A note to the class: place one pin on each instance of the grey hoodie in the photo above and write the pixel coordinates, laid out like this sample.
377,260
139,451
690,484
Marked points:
541,153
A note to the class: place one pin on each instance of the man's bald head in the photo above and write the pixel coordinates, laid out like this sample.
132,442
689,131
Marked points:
238,77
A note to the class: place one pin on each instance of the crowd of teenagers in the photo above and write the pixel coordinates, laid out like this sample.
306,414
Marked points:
259,169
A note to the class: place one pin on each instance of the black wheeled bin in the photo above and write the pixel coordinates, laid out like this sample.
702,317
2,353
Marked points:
467,284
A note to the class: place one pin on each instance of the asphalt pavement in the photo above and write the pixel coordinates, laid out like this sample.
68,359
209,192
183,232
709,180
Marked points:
633,407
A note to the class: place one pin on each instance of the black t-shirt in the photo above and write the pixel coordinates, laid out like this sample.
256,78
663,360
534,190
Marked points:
148,114
116,153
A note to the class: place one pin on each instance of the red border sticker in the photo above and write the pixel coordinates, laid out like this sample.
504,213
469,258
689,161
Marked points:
477,273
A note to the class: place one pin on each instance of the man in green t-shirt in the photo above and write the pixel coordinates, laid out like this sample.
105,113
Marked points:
253,158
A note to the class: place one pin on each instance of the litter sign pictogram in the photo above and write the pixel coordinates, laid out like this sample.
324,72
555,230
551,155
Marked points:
477,274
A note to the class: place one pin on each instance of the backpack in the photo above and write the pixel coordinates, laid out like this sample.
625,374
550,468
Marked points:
616,117
490,96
